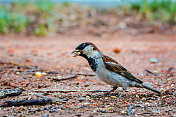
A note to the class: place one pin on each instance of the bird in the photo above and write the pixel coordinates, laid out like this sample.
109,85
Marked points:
108,70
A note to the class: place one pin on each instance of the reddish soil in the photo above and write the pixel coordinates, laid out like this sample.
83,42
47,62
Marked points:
53,54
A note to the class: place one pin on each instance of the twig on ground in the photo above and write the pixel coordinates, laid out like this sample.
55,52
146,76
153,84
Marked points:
65,78
10,92
26,102
74,75
150,72
53,72
67,91
84,74
53,99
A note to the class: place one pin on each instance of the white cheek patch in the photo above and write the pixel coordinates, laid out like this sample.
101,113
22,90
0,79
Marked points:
88,50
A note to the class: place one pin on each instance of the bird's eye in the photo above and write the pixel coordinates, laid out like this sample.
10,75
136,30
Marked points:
83,46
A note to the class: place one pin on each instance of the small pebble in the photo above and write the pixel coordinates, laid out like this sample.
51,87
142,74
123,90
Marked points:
53,110
163,96
17,72
143,99
105,110
86,103
154,60
43,73
157,112
38,74
25,78
102,111
123,112
117,50
172,85
113,97
156,71
19,67
137,96
82,99
88,97
169,79
71,100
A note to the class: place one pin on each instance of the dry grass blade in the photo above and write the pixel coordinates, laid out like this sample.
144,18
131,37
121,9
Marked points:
85,74
53,99
10,92
150,72
67,91
25,102
65,78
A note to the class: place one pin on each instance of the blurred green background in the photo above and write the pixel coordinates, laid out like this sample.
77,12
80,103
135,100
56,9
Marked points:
42,17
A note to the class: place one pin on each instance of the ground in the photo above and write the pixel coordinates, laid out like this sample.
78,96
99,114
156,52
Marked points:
21,57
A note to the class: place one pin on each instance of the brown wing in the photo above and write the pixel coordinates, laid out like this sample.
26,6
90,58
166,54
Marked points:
114,66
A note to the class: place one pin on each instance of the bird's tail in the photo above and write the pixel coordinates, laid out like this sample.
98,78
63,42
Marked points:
150,88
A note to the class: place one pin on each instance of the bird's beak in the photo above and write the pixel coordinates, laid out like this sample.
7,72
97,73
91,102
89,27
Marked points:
76,52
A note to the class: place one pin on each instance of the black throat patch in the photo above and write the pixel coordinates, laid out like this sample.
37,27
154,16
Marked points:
92,62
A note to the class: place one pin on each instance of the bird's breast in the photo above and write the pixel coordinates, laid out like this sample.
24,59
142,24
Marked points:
111,78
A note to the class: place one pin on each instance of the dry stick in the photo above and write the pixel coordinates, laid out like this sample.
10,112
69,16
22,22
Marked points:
53,99
67,91
26,102
53,72
150,72
10,92
71,77
65,78
84,74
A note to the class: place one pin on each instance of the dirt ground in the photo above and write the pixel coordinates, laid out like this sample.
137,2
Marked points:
19,54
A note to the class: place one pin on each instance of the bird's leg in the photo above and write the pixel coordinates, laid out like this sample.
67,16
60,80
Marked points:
124,89
113,89
105,94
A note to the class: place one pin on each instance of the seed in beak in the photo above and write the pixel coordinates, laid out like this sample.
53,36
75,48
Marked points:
76,52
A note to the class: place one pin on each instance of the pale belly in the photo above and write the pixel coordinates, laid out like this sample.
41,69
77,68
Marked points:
113,79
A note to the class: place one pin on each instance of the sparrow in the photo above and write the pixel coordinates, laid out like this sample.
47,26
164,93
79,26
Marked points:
108,70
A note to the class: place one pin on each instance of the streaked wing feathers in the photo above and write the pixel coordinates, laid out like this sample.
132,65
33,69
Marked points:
114,66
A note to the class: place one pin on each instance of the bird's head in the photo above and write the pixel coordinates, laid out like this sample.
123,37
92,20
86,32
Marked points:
86,49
